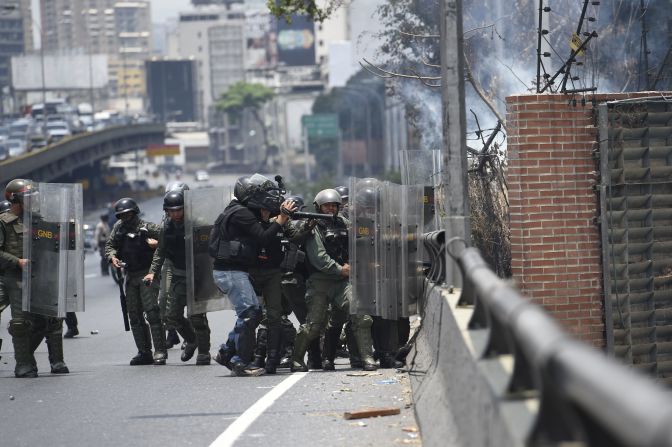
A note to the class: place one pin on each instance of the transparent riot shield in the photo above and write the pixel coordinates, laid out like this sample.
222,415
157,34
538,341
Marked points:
53,280
412,273
201,209
389,251
365,272
423,167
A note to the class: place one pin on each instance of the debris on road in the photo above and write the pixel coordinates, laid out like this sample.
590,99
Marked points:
371,413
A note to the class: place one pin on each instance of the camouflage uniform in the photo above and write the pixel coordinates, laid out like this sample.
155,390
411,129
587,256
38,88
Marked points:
195,330
326,286
139,298
27,329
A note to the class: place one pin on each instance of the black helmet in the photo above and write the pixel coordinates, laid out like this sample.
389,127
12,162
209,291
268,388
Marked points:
344,191
173,200
126,205
176,186
298,200
259,192
326,196
17,189
242,189
5,206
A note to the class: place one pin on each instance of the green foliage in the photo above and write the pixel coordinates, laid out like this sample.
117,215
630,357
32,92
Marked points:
241,96
284,9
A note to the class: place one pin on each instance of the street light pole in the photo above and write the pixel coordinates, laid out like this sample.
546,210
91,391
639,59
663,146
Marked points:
350,93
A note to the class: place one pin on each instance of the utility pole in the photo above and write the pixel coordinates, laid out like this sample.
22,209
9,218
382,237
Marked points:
452,192
645,45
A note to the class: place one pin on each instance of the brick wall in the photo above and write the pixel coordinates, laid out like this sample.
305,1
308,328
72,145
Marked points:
555,242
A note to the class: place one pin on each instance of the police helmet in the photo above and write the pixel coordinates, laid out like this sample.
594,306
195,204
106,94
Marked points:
5,206
344,191
17,189
242,189
262,193
298,200
126,205
176,186
173,200
327,196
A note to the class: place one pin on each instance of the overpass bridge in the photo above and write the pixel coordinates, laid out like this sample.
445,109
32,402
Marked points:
62,159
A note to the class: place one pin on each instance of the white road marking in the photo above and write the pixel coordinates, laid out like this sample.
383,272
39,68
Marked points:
238,427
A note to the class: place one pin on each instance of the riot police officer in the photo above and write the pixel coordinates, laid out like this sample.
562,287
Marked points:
195,330
130,243
26,328
328,285
344,191
239,237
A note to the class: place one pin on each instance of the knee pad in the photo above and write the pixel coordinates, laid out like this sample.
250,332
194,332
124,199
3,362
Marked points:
253,315
19,328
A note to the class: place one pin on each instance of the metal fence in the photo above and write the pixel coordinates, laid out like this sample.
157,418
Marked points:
581,397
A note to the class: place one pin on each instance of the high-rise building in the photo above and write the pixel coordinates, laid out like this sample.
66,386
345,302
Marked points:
119,29
171,88
15,38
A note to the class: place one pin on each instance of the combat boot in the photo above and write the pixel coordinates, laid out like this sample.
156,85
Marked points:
300,346
365,344
260,348
314,354
273,343
55,349
189,351
225,353
160,357
331,339
353,350
172,339
72,332
142,358
240,369
388,360
203,358
25,361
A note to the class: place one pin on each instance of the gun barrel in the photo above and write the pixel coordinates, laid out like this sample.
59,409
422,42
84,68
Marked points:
304,215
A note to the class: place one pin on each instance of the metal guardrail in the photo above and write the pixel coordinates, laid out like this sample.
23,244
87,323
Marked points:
585,398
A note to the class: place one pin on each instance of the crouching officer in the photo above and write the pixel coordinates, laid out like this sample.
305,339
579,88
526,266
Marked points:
328,284
129,247
26,328
194,330
240,237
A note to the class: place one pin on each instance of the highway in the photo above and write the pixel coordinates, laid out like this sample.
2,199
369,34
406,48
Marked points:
106,402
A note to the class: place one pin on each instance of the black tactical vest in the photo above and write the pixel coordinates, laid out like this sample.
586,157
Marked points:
173,237
134,250
335,237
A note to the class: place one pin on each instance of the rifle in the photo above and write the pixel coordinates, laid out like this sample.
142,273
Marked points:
305,215
122,297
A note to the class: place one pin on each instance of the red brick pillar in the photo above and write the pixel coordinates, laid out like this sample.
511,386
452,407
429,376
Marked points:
555,243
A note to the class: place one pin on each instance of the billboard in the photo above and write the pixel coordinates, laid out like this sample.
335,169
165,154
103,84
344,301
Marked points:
61,71
260,46
296,41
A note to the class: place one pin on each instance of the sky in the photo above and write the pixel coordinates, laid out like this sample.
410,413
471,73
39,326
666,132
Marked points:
166,9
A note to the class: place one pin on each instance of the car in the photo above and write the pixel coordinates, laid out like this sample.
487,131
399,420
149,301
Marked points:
36,142
89,231
202,176
16,147
57,130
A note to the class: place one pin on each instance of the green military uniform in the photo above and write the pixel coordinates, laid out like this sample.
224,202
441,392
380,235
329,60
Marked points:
139,298
326,286
27,329
195,330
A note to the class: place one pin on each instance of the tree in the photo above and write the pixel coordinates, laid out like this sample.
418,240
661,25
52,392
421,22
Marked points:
286,8
241,97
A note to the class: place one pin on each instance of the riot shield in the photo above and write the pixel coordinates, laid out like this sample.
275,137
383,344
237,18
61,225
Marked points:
363,246
201,209
390,297
412,274
53,280
423,167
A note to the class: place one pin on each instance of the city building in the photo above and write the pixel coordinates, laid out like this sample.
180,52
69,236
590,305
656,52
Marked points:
15,37
172,90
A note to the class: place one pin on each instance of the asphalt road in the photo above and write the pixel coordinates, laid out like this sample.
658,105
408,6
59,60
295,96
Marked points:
106,402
